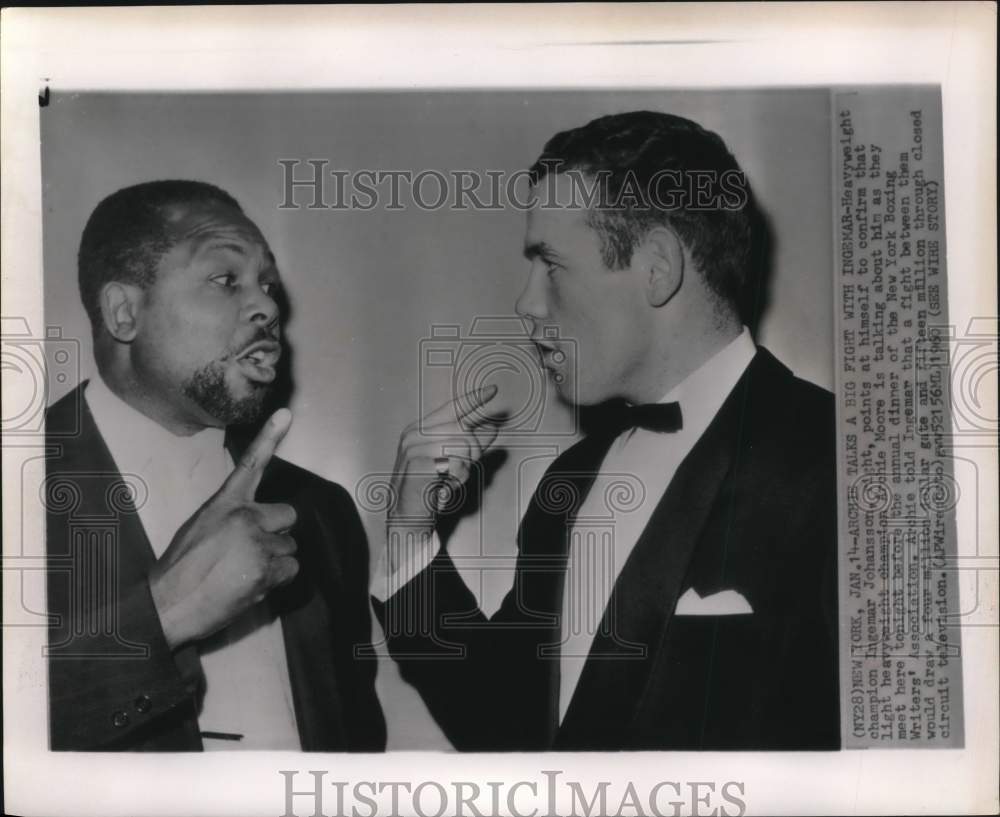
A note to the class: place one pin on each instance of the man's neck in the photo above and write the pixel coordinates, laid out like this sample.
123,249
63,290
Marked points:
680,356
127,389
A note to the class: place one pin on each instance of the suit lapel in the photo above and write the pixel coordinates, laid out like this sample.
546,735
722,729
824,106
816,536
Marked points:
543,536
614,681
95,473
87,460
540,580
306,628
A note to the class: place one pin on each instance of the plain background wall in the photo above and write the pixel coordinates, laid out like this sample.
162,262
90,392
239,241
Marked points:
367,287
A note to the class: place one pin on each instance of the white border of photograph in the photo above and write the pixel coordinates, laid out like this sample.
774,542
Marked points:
299,48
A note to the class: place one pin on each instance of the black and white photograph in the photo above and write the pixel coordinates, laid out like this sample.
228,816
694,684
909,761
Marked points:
585,628
520,428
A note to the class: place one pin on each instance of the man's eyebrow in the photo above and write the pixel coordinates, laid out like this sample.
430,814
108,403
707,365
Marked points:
239,249
539,249
222,244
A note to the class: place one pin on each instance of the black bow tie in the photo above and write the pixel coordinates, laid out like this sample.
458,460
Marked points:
620,416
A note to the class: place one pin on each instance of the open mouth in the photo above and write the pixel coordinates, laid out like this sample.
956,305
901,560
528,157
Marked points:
259,361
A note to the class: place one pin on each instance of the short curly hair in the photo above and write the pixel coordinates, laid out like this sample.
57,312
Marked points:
126,235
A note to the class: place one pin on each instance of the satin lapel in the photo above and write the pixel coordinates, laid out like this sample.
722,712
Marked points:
305,622
540,579
614,679
542,537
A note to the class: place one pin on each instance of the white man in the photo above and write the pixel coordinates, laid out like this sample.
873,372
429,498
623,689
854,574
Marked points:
717,618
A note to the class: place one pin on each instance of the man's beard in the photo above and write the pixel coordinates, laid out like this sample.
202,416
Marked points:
208,388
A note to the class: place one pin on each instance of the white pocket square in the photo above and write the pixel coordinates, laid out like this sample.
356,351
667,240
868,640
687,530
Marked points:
723,603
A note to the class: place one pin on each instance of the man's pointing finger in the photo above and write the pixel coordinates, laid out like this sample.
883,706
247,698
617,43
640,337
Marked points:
458,408
242,483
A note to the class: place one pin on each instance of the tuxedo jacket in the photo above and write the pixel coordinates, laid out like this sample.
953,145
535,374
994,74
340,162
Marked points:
114,684
752,508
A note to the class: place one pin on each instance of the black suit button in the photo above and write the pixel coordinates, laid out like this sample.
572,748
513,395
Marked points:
120,719
143,704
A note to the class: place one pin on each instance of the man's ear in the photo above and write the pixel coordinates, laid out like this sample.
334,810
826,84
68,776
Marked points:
663,256
120,307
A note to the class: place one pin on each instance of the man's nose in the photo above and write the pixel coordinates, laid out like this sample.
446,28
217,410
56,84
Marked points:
531,302
260,307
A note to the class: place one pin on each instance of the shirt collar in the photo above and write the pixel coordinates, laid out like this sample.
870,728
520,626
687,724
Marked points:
137,442
701,394
707,387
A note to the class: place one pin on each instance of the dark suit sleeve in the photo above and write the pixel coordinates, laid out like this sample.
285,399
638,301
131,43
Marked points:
460,661
812,694
108,690
803,691
490,682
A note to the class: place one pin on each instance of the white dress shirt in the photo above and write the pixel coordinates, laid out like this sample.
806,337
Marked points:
604,534
247,688
646,460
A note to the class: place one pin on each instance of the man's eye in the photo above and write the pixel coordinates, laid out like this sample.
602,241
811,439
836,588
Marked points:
270,288
550,267
227,280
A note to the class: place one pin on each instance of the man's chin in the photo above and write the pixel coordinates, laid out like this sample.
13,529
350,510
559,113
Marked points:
564,391
229,400
247,408
581,395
